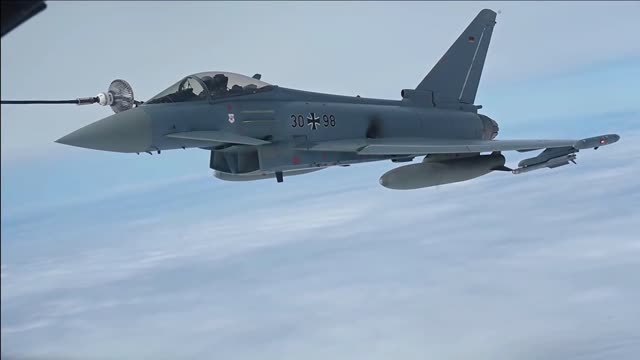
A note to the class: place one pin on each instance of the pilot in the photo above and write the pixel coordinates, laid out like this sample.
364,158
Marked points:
218,84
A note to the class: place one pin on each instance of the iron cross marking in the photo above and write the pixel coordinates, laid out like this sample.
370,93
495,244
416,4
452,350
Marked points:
313,121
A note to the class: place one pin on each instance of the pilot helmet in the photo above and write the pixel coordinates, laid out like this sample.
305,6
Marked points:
220,80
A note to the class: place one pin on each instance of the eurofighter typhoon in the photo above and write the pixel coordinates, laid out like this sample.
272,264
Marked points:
255,130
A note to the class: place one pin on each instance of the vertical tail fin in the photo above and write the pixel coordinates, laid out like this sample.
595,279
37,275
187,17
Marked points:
456,76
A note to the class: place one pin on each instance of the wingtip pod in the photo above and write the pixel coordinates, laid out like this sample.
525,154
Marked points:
556,157
596,141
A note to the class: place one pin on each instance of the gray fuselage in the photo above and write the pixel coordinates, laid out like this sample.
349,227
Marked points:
292,119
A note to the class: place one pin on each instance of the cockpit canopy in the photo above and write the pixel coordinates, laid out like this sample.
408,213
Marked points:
210,86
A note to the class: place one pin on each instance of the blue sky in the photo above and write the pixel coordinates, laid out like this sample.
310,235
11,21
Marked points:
109,256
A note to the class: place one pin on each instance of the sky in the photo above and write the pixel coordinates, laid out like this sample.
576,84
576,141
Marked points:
118,256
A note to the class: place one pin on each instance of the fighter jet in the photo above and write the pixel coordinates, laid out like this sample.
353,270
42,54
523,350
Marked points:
255,130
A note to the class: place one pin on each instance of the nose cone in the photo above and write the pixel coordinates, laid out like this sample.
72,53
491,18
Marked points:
127,131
